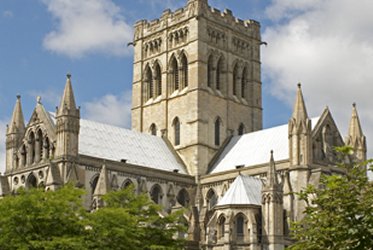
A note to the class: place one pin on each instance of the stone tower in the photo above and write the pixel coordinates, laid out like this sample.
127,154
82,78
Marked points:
197,80
14,134
356,138
272,210
67,131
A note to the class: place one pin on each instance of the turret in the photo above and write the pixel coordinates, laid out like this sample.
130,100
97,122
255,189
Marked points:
272,209
101,189
355,137
300,133
14,134
67,122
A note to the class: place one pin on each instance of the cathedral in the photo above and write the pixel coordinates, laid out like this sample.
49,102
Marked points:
197,140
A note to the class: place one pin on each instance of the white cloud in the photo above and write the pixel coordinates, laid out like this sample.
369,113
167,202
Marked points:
86,27
110,109
328,46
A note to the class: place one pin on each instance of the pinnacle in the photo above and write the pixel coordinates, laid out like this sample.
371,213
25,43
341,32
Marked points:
355,130
299,112
68,100
17,123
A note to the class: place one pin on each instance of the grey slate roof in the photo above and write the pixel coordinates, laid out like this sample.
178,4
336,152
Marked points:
253,148
115,143
245,190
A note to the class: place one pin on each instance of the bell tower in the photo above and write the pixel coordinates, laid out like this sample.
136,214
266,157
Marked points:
197,80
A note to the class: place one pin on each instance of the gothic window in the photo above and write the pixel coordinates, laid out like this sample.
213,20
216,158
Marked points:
174,74
94,184
153,129
23,155
211,199
156,194
158,79
221,227
176,124
240,221
219,72
46,148
244,83
183,198
184,71
31,181
217,131
149,83
241,129
127,183
235,79
210,68
31,152
39,146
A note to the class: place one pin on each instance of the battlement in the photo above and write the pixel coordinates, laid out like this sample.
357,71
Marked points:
195,9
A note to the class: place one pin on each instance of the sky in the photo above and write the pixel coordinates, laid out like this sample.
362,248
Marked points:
327,45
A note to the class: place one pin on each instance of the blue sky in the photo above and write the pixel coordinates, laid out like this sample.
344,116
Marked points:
329,51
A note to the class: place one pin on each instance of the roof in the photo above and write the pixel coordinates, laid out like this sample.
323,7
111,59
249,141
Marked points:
253,148
115,143
245,190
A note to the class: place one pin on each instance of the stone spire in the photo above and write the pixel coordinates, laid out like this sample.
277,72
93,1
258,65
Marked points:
53,181
102,186
67,105
299,112
355,137
17,123
272,181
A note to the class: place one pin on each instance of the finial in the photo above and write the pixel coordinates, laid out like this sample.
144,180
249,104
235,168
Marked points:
299,85
38,99
18,96
68,75
354,104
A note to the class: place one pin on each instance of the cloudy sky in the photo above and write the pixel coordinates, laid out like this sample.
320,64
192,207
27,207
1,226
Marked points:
327,45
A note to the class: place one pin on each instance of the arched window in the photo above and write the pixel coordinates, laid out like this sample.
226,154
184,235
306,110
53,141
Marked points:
176,124
149,83
221,227
46,148
31,148
23,155
235,79
244,83
210,68
183,198
184,71
219,73
127,183
158,79
156,194
240,222
153,129
31,181
241,129
217,131
174,74
211,199
94,184
39,146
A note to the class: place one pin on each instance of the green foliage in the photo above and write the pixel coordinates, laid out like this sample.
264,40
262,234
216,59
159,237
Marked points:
38,220
35,219
339,213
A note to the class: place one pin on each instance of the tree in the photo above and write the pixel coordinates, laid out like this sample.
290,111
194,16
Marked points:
38,220
35,219
339,213
133,221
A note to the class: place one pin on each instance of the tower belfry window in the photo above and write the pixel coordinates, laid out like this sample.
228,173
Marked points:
209,71
176,124
217,131
149,83
235,80
158,80
174,74
218,74
184,71
244,83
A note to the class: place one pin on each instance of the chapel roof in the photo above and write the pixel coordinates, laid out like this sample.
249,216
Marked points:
252,149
